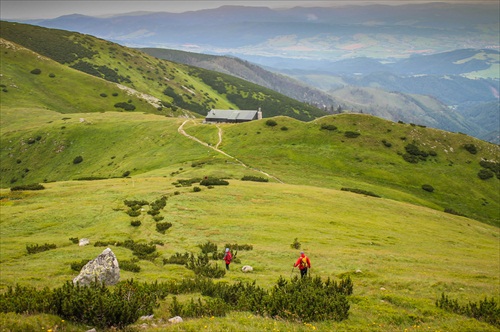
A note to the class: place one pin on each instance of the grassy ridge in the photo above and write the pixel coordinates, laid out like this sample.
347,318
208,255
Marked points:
306,154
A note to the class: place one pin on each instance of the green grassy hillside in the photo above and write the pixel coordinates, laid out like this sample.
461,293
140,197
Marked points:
57,130
176,87
303,153
407,255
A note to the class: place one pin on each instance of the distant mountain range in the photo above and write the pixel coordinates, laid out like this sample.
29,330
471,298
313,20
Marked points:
377,31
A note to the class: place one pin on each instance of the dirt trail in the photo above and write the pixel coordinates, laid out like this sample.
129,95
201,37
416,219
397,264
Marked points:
216,148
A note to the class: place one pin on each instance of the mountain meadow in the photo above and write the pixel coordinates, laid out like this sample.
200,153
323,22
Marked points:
106,143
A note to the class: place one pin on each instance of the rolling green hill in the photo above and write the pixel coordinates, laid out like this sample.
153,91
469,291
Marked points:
366,197
172,86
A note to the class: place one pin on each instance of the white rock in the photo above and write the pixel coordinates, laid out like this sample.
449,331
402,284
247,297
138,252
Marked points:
175,320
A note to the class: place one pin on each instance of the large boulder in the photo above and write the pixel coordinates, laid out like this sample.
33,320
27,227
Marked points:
103,269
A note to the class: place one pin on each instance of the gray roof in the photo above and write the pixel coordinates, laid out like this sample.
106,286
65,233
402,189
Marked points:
233,115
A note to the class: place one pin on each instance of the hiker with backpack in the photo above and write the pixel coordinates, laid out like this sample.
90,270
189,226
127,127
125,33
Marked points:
304,263
228,258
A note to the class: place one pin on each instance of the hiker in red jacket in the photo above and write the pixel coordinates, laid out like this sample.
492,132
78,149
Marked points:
228,258
304,263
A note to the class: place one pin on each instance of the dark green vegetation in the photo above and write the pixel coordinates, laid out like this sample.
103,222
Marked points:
306,300
486,310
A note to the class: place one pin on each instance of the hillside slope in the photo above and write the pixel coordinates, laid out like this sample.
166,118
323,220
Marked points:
249,72
176,86
405,256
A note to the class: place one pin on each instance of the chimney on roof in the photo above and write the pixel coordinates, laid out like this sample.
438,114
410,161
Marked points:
259,114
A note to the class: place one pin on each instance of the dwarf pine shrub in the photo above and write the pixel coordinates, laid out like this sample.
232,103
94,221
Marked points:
485,310
295,244
329,127
201,266
135,204
213,182
351,134
360,191
306,300
32,186
77,266
471,148
130,265
428,187
254,178
135,223
177,258
162,227
485,174
133,213
77,160
35,248
208,247
236,246
493,166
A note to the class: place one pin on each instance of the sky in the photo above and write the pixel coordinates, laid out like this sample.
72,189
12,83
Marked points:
42,9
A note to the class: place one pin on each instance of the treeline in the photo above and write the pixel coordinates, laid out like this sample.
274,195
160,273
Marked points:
58,45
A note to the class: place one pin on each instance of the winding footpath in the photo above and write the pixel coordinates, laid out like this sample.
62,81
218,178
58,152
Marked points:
216,148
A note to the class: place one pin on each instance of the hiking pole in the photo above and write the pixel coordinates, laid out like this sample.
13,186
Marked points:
291,273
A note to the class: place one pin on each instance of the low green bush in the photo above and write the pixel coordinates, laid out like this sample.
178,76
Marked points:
125,106
135,223
485,174
254,178
309,300
177,258
132,203
329,127
208,247
485,310
35,248
162,227
201,266
351,134
32,186
242,247
140,250
360,191
36,71
452,211
493,166
271,123
77,266
130,266
77,160
471,148
295,244
213,182
428,187
133,213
